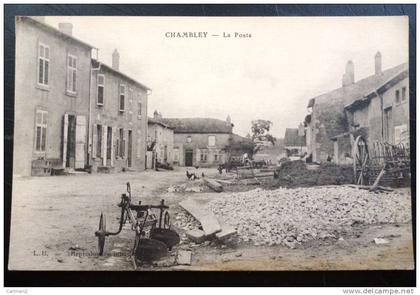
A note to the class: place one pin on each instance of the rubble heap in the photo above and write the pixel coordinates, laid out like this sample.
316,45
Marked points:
293,216
185,221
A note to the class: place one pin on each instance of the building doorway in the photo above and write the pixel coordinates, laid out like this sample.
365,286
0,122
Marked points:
130,148
109,146
71,142
188,158
74,141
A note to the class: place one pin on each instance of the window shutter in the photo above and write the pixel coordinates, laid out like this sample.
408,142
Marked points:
104,143
94,140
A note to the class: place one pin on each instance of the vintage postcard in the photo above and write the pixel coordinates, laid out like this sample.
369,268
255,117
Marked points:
211,143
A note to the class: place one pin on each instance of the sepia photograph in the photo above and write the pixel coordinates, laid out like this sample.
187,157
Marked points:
157,143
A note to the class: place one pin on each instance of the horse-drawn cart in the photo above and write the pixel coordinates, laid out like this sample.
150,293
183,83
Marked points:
380,162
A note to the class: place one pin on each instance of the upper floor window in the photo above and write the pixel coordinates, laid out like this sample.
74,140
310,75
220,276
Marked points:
212,140
122,98
101,88
397,96
71,73
43,64
41,130
403,94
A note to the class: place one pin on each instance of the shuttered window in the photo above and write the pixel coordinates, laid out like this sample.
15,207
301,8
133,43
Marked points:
101,89
122,98
41,130
43,64
71,73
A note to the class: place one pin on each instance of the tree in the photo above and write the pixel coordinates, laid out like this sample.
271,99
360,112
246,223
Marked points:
260,132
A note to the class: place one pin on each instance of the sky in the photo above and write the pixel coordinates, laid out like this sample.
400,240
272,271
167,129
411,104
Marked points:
271,75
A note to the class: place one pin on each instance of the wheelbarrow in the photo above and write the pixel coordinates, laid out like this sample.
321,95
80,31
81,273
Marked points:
151,224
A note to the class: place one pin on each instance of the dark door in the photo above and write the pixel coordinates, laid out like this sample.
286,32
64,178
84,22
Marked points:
108,146
130,150
71,142
188,158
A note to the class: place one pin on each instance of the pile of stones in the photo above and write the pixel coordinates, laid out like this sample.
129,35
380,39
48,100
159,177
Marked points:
291,217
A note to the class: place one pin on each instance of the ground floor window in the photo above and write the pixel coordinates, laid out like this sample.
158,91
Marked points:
41,130
203,155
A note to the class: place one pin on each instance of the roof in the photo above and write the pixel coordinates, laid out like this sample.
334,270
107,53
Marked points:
55,31
198,125
240,139
158,122
360,88
96,63
365,100
329,107
292,138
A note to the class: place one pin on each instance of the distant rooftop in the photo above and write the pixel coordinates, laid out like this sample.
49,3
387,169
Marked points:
198,125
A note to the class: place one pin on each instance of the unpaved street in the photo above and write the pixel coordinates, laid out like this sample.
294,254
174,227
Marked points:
54,220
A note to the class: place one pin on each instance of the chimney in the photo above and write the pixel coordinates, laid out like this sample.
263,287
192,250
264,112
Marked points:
66,28
116,60
228,120
378,63
348,77
155,115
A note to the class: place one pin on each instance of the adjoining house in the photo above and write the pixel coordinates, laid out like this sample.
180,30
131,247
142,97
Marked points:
160,139
383,113
200,141
51,98
118,118
294,143
328,132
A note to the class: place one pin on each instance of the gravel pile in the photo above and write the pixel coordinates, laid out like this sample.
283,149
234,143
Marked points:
293,216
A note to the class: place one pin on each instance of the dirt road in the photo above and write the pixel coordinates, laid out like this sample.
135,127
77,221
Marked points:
52,215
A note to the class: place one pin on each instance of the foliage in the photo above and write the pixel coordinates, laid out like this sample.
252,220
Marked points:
260,132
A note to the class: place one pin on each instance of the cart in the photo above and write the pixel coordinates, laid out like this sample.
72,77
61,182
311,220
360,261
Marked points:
381,161
151,224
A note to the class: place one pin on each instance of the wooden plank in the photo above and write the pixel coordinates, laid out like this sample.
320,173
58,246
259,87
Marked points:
376,183
206,218
227,232
213,184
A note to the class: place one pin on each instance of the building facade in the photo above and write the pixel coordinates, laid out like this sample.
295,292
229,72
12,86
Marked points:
200,142
383,113
51,98
329,131
118,119
161,137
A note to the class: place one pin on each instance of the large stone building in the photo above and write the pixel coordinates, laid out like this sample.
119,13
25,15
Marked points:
383,113
200,141
118,119
51,98
161,138
328,127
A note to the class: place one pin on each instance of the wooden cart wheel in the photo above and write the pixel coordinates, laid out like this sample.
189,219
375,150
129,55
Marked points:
360,161
101,234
